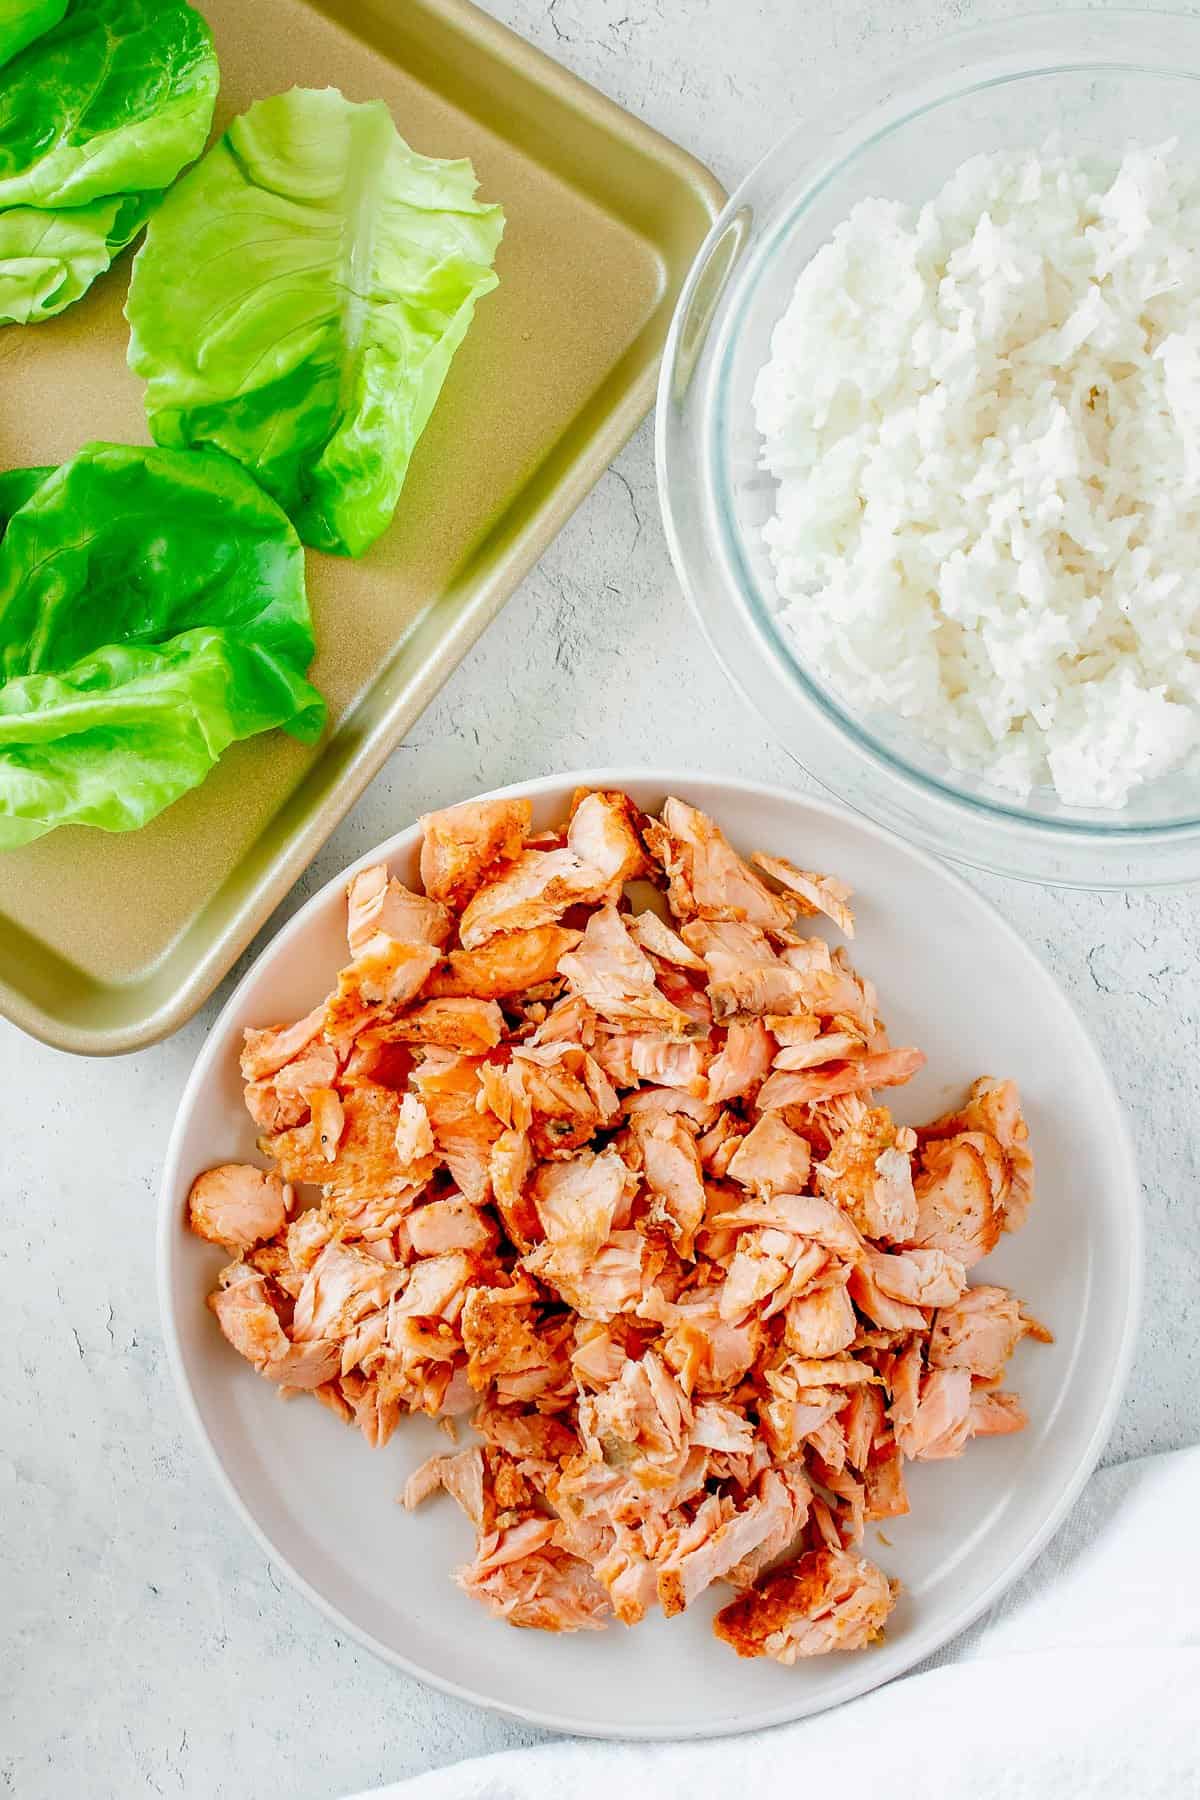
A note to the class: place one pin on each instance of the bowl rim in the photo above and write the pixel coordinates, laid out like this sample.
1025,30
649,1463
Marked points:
1089,847
171,1234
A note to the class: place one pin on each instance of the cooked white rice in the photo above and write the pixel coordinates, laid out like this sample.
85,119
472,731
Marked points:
984,419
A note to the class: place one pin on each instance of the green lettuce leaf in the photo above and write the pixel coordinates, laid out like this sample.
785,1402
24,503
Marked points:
152,612
298,299
48,260
23,20
16,487
115,99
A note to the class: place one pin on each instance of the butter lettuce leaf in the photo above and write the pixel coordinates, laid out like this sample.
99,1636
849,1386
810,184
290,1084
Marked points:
16,487
23,20
114,99
298,299
152,612
48,260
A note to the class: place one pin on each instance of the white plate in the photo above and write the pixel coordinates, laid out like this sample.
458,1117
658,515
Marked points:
954,978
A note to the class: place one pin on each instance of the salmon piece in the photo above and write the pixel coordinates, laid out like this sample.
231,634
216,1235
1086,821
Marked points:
829,1372
602,835
265,1052
376,1411
280,1100
820,1324
994,1108
753,1275
463,844
836,990
645,1410
450,1224
508,1171
614,1053
383,977
719,1146
789,1421
826,1600
708,879
956,1203
616,979
498,1333
497,1549
978,1331
941,1422
342,1286
792,1029
435,1290
744,973
924,1278
743,1061
597,1358
366,1149
306,1237
238,1206
547,1590
376,901
804,1215
600,1286
787,1492
662,1103
679,987
883,1309
827,1047
771,1159
413,1139
827,1461
671,1165
707,1352
577,1202
534,890
884,1491
628,1576
904,1382
243,1310
378,1057
668,1063
505,1092
565,1097
869,1171
719,1426
569,1021
891,1068
328,1121
448,1085
509,964
527,1436
452,1024
862,1423
656,938
995,1414
459,1476
718,1538
811,894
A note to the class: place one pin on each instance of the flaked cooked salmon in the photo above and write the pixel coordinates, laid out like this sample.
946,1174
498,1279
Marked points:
613,1183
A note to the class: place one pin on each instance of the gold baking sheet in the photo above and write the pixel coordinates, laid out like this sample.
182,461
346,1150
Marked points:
111,942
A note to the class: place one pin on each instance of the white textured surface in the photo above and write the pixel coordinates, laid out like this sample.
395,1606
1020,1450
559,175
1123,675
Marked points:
145,1646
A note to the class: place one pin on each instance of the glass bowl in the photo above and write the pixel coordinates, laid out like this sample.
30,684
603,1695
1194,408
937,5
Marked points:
1098,79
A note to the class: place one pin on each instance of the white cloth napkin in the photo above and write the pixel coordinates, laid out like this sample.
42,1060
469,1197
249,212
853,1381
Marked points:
1084,1682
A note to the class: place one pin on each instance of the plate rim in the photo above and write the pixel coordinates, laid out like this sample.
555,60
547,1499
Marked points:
861,1672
